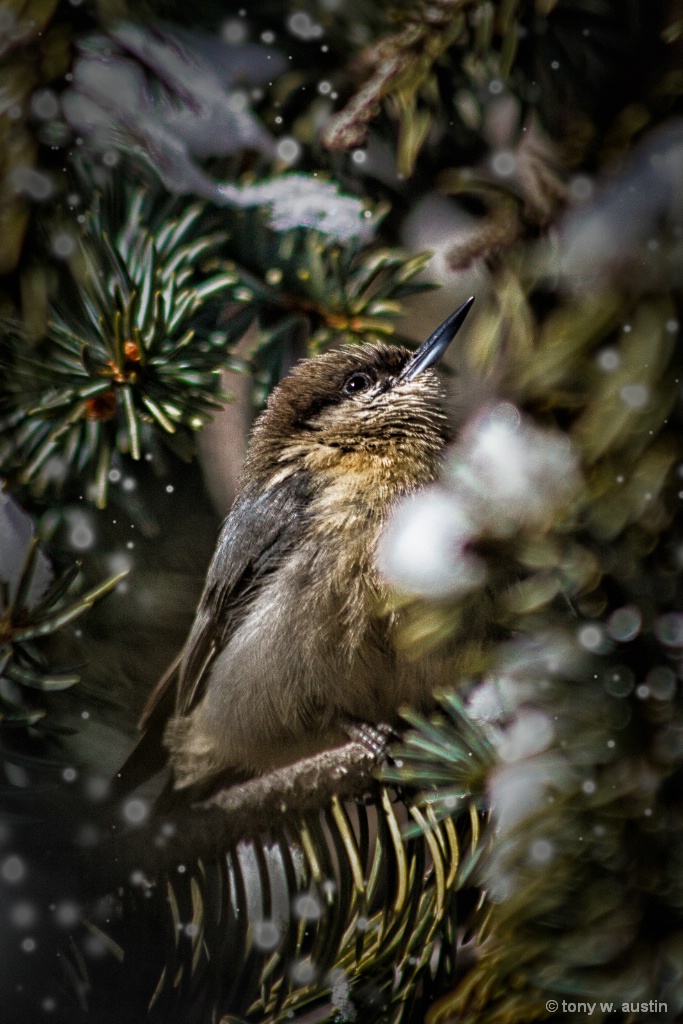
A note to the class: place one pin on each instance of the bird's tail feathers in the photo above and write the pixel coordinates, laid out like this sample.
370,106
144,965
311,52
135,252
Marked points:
149,756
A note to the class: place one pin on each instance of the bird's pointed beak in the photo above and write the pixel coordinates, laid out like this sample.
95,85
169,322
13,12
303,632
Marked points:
431,351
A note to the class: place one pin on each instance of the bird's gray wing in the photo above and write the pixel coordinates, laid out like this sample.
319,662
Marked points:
259,531
263,525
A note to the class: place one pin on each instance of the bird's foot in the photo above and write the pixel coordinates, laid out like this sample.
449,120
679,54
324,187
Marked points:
374,737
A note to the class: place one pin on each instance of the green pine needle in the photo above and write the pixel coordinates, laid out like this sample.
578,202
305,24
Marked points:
132,352
445,757
22,664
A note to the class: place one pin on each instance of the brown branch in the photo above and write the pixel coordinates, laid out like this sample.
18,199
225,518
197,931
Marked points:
402,60
349,127
498,231
206,830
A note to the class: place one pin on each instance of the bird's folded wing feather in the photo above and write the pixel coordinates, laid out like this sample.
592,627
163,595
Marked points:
257,535
261,528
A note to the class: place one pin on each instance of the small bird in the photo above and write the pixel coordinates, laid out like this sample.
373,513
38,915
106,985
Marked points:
292,641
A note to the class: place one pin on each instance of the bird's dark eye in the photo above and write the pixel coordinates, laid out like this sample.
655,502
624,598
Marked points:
357,382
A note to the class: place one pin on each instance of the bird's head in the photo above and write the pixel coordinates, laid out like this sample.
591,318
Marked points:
358,409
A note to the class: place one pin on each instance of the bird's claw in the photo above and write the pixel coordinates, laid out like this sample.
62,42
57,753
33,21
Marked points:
374,737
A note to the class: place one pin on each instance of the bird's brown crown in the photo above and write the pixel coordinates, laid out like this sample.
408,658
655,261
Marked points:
351,400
